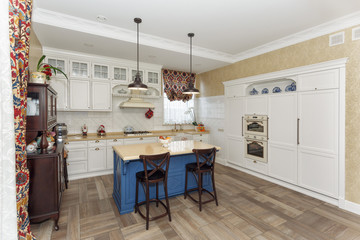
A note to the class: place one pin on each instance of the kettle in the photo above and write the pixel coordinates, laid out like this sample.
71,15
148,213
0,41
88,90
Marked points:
128,129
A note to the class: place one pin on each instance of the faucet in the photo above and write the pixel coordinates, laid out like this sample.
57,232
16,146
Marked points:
175,130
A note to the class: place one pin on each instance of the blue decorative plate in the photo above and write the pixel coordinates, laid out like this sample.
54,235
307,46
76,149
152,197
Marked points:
254,92
276,90
265,91
291,87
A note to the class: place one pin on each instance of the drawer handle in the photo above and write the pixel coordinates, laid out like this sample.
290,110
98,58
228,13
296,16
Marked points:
97,149
97,141
200,140
67,164
115,140
254,161
66,143
141,139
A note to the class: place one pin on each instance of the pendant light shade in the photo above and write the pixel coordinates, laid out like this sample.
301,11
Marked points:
191,89
137,84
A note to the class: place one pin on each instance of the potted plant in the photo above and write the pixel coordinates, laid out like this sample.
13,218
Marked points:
44,71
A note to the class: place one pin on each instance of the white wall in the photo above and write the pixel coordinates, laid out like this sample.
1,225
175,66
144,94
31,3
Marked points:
211,112
116,120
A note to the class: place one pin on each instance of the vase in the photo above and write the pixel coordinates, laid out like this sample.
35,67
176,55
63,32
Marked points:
38,77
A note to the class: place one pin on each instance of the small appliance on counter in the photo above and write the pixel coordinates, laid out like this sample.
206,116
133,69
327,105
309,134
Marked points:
84,130
128,129
61,132
101,130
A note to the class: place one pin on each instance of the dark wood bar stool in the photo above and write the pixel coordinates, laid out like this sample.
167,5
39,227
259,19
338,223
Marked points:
205,162
153,173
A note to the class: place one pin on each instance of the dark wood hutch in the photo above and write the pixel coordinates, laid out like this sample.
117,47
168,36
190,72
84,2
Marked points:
46,166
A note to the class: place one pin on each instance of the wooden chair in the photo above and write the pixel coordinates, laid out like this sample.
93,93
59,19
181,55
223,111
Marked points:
205,162
154,172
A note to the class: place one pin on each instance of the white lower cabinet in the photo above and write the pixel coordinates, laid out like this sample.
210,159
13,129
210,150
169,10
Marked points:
256,166
201,138
236,151
96,159
77,157
110,151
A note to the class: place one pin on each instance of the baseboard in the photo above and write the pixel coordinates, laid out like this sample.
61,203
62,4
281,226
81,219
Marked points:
351,207
221,161
91,174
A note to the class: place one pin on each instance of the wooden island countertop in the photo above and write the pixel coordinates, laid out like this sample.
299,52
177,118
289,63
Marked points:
133,151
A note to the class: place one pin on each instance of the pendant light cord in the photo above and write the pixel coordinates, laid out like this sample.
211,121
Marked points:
191,35
137,49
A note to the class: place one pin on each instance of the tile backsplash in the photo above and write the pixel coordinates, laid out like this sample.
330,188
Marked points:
117,119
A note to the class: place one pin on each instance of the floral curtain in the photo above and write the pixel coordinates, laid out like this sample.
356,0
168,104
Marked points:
175,83
19,31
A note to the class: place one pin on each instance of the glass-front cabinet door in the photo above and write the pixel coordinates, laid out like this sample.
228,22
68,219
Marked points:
79,69
153,78
133,74
120,74
100,71
60,64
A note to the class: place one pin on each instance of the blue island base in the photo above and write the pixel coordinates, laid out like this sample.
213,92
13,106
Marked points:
125,181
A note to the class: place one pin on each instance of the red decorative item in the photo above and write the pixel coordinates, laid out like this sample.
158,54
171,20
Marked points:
149,114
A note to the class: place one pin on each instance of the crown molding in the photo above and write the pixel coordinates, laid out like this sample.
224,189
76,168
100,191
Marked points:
43,16
317,31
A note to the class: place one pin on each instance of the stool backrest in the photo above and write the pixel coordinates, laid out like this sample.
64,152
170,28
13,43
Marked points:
154,163
205,156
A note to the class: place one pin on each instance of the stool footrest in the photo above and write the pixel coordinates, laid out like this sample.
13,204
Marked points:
137,209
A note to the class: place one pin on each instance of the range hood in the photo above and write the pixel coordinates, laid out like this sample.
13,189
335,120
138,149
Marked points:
135,102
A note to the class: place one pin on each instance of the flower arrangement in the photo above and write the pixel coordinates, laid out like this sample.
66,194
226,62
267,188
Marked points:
47,68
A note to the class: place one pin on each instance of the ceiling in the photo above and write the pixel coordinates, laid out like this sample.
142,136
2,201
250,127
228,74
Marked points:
225,31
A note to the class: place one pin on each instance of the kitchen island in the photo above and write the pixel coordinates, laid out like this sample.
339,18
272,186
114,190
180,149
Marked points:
127,164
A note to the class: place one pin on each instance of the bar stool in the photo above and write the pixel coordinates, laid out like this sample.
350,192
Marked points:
205,162
154,172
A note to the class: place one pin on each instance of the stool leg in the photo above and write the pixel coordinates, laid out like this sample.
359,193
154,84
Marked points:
157,194
186,180
213,183
200,189
136,195
147,205
167,200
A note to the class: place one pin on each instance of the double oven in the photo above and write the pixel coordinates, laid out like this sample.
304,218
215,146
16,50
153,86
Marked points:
256,137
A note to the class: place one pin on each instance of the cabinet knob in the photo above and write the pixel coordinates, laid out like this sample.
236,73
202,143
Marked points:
254,161
97,141
200,140
115,140
141,139
67,164
97,149
66,143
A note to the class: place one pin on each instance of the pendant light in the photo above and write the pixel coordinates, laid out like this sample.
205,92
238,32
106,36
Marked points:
191,89
137,84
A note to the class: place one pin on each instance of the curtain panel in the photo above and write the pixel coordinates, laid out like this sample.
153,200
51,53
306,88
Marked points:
19,33
8,219
175,82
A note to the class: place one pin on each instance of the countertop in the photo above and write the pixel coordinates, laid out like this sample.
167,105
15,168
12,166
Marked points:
132,151
119,135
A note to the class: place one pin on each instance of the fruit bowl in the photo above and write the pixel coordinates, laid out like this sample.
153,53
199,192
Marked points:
165,141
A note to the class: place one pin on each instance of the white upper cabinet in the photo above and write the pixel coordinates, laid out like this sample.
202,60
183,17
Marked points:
120,74
235,91
257,105
60,63
101,97
153,78
133,74
79,69
100,71
235,110
79,94
319,80
60,85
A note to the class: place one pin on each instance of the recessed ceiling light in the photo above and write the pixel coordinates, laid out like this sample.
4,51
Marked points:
88,45
101,18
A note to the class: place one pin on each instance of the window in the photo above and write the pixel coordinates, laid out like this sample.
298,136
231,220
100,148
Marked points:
178,111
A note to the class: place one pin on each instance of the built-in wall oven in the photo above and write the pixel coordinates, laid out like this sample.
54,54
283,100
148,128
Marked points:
256,147
256,125
256,137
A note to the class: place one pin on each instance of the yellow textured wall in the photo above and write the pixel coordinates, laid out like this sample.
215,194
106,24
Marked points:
35,51
301,54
